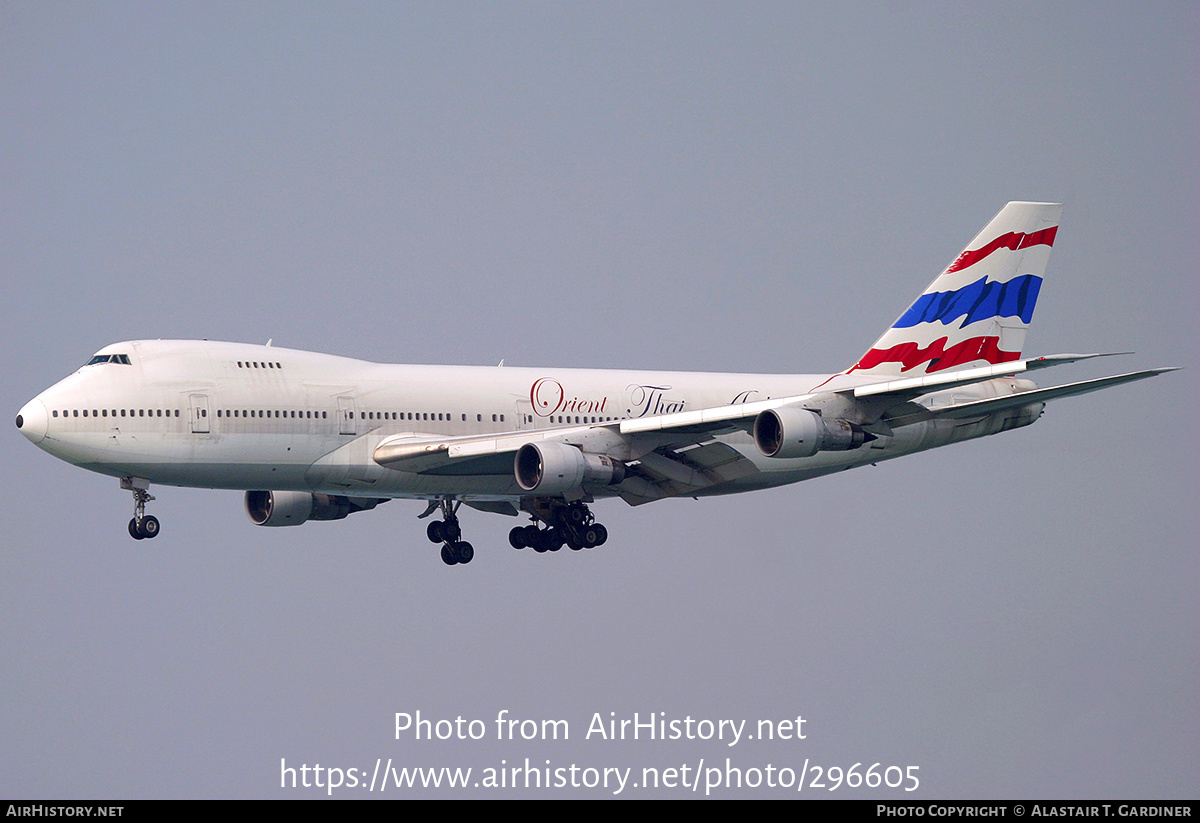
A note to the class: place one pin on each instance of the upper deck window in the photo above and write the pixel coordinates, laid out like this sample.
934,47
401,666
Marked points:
123,359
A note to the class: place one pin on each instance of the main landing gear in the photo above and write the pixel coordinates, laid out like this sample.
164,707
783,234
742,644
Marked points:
447,532
574,525
142,525
565,524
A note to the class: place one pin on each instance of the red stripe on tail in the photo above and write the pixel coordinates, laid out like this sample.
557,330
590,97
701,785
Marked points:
1013,240
910,355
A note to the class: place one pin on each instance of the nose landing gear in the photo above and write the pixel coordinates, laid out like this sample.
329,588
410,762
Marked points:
143,525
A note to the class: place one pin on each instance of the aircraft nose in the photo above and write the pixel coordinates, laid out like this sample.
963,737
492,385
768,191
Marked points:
33,420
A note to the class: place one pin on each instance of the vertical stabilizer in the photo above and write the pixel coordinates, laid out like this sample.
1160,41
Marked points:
978,310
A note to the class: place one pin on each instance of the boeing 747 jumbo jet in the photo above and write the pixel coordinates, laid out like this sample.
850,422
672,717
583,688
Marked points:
318,437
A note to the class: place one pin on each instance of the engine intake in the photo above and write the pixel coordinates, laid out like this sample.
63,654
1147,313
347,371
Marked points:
793,432
549,467
293,508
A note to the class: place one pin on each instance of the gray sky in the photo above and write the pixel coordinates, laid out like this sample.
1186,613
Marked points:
725,187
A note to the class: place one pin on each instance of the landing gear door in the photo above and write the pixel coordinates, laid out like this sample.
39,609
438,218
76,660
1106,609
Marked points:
346,423
198,413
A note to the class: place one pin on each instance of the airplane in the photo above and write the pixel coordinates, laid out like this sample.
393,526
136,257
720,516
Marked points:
313,436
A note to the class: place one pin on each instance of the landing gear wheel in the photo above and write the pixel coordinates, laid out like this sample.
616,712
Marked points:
543,540
447,532
141,526
558,523
149,526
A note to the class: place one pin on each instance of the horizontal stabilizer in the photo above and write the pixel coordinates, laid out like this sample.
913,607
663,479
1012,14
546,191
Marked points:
909,387
981,407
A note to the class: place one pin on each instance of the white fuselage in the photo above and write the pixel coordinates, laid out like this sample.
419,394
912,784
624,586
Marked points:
240,416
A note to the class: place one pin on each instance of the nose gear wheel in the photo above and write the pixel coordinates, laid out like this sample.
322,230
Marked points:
142,526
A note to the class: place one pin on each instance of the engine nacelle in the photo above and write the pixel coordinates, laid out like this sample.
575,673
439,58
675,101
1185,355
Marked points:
549,467
793,432
294,508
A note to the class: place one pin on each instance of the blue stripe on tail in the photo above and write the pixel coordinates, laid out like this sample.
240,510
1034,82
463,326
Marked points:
980,300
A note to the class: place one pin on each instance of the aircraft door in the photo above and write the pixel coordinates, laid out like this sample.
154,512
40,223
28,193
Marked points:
198,413
524,414
346,424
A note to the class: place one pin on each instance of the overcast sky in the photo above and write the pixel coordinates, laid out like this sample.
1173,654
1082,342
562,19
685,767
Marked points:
732,187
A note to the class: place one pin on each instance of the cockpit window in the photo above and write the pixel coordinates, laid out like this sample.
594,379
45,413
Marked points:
123,359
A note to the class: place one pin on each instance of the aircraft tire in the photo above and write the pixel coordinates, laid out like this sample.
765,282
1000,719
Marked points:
451,531
601,534
516,537
133,529
464,551
149,526
434,532
448,555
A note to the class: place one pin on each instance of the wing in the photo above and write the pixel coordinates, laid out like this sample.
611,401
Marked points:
679,454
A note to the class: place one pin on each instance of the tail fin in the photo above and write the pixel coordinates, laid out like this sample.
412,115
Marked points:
978,310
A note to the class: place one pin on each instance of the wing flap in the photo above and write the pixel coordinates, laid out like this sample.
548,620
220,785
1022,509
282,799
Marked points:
675,472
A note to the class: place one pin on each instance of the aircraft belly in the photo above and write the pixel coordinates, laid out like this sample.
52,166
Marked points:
238,476
230,462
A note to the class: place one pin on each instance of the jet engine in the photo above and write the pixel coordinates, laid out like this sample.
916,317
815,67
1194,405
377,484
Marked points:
794,432
294,508
548,467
